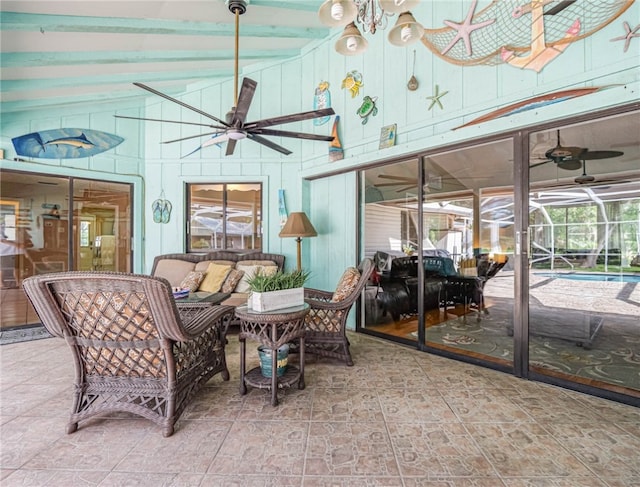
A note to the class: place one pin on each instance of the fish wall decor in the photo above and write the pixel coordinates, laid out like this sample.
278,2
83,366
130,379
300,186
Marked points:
66,143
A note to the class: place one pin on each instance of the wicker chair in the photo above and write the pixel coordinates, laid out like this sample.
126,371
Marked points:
326,322
131,350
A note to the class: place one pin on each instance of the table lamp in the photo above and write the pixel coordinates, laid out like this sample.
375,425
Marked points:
298,226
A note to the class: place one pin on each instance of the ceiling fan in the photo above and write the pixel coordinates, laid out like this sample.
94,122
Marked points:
408,182
234,127
572,158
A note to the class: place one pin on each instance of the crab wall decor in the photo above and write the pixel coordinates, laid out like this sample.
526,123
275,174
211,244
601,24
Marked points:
367,108
353,82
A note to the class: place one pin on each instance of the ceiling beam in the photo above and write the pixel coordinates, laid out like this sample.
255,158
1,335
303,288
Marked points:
34,59
120,25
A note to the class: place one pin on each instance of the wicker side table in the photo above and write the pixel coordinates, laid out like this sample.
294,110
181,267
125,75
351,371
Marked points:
272,330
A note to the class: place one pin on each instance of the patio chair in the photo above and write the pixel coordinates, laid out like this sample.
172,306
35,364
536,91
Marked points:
130,349
325,325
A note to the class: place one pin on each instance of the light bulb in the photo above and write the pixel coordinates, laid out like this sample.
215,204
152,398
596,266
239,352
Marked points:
406,34
352,43
398,2
337,11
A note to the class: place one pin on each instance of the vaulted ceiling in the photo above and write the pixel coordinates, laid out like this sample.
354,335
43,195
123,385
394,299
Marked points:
60,53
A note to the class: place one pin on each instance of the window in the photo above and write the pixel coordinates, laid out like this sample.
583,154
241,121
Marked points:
224,216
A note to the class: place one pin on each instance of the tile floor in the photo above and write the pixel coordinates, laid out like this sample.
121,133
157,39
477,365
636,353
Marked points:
397,418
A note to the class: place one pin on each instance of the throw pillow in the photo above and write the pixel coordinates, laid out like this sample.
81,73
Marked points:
216,274
249,272
347,284
232,280
192,281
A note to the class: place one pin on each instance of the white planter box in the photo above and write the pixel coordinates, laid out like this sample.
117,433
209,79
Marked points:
272,300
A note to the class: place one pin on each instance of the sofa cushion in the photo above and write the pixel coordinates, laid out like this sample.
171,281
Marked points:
192,281
173,270
232,280
347,284
202,266
251,270
216,274
265,263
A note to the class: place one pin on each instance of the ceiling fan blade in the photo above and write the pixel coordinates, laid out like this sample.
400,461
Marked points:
296,135
405,188
187,138
231,146
570,164
382,185
244,101
181,103
268,143
296,117
171,121
397,178
539,163
600,154
559,8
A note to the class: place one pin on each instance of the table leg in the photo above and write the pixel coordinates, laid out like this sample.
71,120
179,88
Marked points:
243,386
301,384
274,376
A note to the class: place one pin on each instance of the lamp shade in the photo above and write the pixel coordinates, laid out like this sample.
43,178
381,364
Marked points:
336,13
406,31
351,41
298,225
397,6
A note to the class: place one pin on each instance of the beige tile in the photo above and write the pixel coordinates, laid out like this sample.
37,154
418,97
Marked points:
190,449
415,405
133,479
352,482
23,438
251,481
432,450
484,405
270,448
454,482
350,449
609,451
99,444
524,450
557,482
55,478
346,405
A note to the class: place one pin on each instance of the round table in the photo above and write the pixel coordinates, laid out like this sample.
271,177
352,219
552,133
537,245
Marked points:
272,329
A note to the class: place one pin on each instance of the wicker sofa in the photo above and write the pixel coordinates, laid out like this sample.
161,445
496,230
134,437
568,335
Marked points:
175,267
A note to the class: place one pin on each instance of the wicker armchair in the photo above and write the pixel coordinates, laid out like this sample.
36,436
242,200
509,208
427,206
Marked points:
325,324
131,350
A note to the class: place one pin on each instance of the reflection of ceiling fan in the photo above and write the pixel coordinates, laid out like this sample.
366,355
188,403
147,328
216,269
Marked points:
432,181
571,158
234,127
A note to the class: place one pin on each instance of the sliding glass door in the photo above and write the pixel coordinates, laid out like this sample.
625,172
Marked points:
584,273
54,224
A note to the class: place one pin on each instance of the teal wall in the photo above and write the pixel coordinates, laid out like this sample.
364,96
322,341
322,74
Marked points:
288,88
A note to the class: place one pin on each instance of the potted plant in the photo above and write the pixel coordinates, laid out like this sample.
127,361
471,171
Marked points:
277,291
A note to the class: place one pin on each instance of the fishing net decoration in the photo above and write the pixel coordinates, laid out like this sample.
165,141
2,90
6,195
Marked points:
515,33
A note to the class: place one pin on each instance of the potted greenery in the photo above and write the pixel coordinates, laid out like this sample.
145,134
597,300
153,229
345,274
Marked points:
277,291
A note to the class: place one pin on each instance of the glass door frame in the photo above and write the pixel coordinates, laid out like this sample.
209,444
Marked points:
521,185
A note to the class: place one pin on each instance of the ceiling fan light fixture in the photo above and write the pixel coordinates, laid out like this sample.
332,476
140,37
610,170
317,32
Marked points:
236,134
406,31
351,41
397,6
337,13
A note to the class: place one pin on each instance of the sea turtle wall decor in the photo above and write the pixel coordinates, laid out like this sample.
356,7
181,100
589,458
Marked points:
367,108
353,83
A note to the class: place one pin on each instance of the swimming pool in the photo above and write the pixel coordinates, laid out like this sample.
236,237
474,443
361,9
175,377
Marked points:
594,277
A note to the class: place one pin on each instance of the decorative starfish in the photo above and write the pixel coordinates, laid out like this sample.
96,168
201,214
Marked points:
465,29
628,36
436,98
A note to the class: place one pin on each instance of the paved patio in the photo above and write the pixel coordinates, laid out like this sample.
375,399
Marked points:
397,418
